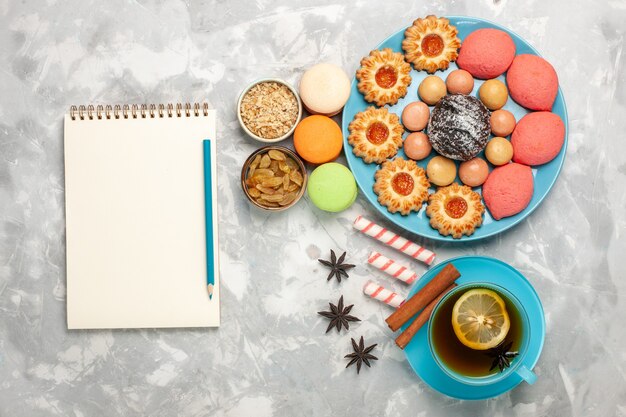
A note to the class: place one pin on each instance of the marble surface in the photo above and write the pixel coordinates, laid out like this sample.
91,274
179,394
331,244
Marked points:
271,356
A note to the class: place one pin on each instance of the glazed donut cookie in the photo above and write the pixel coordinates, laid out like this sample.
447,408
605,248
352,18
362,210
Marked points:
532,82
538,138
431,44
383,77
508,190
486,53
375,135
455,210
401,186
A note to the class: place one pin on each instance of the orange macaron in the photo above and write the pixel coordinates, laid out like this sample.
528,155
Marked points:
318,139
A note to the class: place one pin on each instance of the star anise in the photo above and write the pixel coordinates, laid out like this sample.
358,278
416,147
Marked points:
361,354
501,356
338,268
338,315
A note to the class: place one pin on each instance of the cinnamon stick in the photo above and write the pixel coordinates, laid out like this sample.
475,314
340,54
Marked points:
440,282
408,333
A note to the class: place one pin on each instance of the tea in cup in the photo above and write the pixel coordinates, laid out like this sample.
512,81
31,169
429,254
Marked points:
479,333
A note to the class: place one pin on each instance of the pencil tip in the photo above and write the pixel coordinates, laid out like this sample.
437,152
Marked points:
210,289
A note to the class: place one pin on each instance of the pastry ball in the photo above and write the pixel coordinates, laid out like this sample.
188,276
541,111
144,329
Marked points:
460,82
415,116
532,82
432,89
324,89
502,123
459,127
417,146
474,172
318,139
508,190
493,94
486,53
538,138
441,171
499,151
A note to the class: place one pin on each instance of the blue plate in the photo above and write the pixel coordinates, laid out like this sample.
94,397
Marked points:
478,269
545,175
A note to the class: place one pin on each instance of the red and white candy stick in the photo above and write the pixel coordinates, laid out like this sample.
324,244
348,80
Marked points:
380,293
391,267
395,241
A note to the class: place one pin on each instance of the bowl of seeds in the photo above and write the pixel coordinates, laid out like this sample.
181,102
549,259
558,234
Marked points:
273,178
269,110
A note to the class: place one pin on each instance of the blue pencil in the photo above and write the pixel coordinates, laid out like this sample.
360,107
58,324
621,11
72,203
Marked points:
208,210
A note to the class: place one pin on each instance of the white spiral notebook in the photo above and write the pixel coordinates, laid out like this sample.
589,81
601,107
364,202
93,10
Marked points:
135,217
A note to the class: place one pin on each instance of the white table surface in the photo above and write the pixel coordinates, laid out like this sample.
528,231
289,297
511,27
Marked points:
271,356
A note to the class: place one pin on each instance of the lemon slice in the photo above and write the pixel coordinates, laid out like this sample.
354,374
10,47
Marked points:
480,319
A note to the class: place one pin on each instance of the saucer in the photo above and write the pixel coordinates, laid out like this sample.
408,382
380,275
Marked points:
478,269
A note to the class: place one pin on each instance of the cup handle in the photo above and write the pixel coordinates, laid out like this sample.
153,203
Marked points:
526,374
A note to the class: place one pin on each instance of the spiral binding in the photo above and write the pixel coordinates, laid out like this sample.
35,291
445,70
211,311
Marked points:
135,111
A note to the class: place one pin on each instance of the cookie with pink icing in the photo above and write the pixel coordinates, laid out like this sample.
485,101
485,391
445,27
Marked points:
486,53
538,138
532,82
508,190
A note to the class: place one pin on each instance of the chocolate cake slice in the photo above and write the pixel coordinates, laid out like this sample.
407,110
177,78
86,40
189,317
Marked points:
459,127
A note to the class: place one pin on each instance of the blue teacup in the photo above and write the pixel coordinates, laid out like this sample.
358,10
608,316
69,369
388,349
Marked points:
517,364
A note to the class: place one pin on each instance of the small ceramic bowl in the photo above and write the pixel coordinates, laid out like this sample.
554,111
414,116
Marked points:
259,138
291,154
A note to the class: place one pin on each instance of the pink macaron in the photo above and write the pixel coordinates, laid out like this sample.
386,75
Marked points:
532,82
508,190
538,138
486,53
